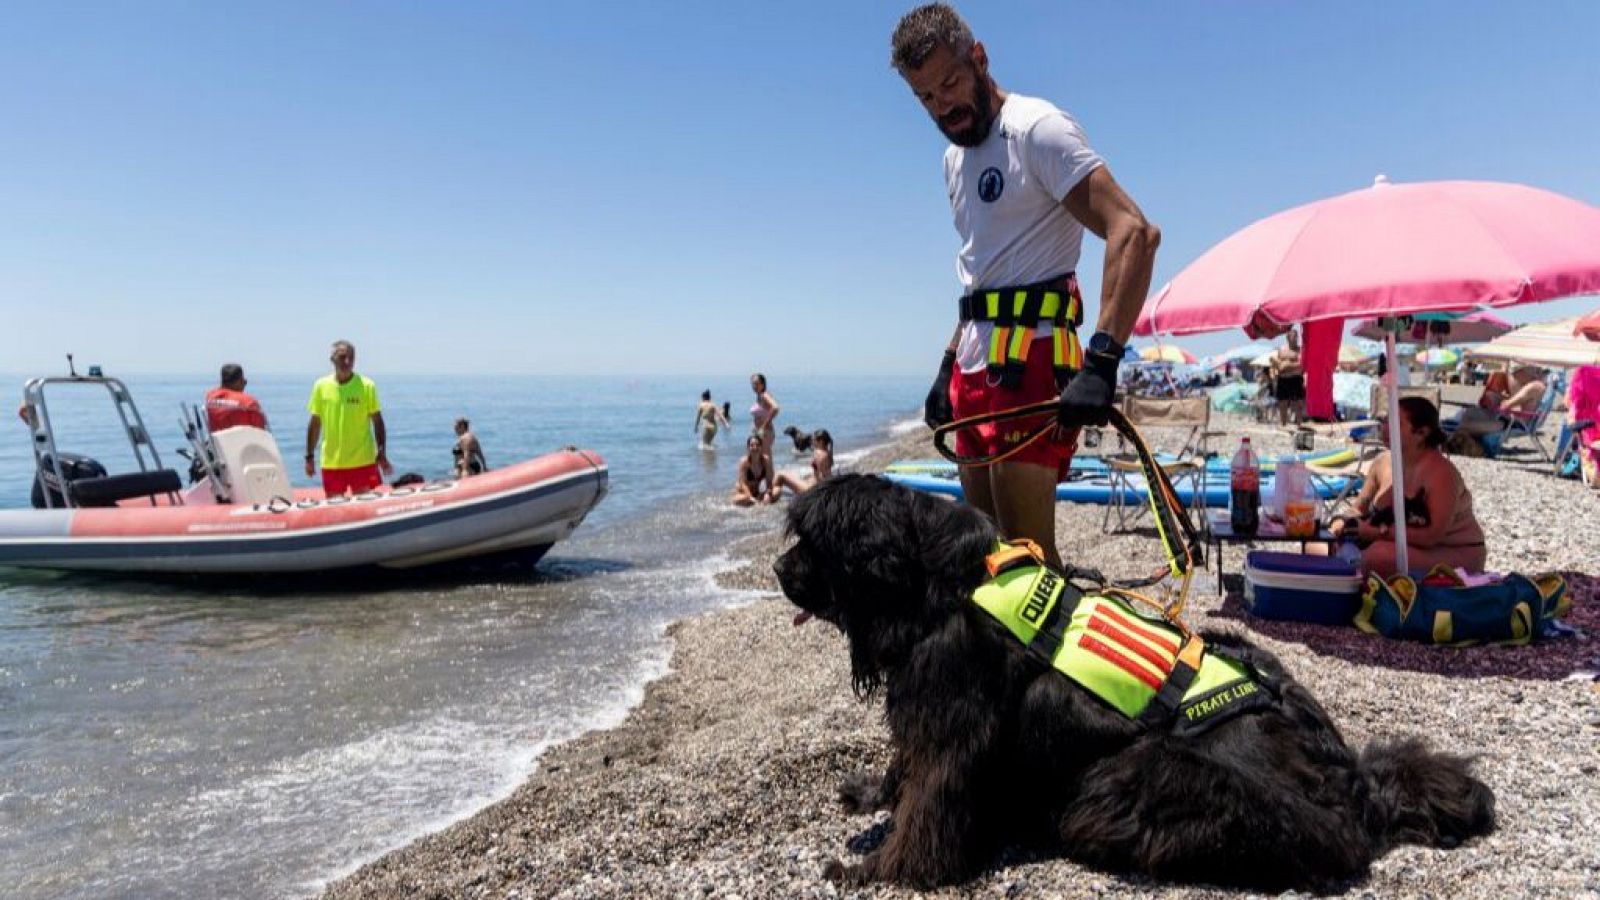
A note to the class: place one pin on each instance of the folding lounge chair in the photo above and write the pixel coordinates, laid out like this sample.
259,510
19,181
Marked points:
1570,444
1191,413
1522,424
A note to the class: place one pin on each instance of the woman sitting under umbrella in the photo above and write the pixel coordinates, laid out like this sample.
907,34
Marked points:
1440,525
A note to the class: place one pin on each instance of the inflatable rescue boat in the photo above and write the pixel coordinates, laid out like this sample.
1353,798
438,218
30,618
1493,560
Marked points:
240,515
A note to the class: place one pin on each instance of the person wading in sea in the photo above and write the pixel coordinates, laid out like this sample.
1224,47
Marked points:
344,412
1023,184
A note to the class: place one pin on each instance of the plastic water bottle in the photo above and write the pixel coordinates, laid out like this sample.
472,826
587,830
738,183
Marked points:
1299,501
1282,487
1244,500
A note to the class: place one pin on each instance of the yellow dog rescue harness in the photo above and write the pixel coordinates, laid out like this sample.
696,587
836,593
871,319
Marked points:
1150,668
1145,668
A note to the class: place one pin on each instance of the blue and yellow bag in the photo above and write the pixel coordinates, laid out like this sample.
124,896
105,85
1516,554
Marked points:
1512,610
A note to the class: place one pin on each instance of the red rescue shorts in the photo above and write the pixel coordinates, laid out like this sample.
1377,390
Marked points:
357,481
971,395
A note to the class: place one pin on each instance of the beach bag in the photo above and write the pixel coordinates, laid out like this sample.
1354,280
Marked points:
1442,609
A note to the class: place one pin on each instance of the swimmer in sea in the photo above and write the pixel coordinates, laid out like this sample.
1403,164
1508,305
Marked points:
763,411
706,419
468,452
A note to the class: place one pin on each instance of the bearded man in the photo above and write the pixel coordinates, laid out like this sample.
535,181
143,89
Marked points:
1023,184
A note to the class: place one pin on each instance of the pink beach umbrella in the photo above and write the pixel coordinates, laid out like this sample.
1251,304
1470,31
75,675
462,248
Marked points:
1389,250
1472,328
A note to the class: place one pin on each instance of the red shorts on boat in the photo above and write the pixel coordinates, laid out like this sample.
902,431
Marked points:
971,395
357,481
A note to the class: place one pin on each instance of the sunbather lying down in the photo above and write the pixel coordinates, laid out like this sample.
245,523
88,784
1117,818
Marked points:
1525,389
1440,525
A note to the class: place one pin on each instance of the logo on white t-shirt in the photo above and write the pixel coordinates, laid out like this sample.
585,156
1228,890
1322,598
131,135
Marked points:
990,184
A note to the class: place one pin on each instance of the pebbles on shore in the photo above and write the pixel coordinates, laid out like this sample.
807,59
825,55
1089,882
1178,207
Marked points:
722,782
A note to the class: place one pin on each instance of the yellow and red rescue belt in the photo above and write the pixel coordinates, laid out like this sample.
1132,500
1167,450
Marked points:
1016,313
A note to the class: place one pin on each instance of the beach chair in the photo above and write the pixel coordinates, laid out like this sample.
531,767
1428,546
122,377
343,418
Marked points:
1379,404
1569,445
1524,425
1189,414
1352,474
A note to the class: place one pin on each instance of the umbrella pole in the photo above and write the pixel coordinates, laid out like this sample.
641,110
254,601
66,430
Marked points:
1397,469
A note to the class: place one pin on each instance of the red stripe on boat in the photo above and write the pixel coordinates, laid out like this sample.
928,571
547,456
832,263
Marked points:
207,520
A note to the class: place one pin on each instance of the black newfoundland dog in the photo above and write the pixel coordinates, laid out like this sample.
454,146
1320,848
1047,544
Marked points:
991,749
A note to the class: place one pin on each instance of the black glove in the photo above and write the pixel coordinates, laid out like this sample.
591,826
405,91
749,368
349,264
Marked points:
1087,399
936,409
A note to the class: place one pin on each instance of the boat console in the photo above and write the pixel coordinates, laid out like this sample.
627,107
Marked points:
250,465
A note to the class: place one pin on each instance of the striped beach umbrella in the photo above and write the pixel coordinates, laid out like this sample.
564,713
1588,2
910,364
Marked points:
1550,344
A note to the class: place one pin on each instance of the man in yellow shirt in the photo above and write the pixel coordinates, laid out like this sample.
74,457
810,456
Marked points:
346,405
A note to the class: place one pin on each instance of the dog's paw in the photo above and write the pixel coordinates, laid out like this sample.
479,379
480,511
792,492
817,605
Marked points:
861,792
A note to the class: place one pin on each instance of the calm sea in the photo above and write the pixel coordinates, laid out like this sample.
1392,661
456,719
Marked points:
167,740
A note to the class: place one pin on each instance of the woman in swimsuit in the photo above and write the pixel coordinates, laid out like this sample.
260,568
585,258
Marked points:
706,419
763,411
468,452
1440,525
753,482
821,466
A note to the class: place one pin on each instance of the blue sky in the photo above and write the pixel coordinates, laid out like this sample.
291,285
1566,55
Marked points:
677,188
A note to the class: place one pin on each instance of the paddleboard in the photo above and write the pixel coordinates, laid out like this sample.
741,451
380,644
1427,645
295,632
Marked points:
1098,488
1091,465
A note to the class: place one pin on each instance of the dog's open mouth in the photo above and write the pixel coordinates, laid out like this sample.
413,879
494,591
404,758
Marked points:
802,617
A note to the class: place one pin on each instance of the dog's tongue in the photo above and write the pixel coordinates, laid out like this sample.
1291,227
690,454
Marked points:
801,619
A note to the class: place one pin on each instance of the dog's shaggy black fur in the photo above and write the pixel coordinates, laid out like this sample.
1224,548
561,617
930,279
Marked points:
991,749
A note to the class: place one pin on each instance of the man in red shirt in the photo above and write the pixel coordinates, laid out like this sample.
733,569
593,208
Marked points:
229,406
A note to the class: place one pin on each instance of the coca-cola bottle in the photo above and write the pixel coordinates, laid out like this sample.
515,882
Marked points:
1244,500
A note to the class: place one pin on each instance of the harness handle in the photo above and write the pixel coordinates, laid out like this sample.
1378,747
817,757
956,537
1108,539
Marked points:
1178,536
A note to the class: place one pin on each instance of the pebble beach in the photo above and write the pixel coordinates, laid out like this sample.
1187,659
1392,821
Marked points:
721,782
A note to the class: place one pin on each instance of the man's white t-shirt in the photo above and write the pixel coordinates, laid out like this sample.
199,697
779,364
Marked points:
1006,197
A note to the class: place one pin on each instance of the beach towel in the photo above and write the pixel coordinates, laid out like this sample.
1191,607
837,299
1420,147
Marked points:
1448,608
1320,357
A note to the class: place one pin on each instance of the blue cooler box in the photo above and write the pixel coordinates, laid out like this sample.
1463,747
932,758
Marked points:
1300,588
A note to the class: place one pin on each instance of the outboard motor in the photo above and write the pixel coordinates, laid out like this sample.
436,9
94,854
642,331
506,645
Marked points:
73,466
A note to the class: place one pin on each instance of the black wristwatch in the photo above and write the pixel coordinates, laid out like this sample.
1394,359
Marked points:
1103,344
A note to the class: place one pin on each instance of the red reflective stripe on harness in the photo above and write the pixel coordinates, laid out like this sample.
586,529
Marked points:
1111,655
1162,640
1104,627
